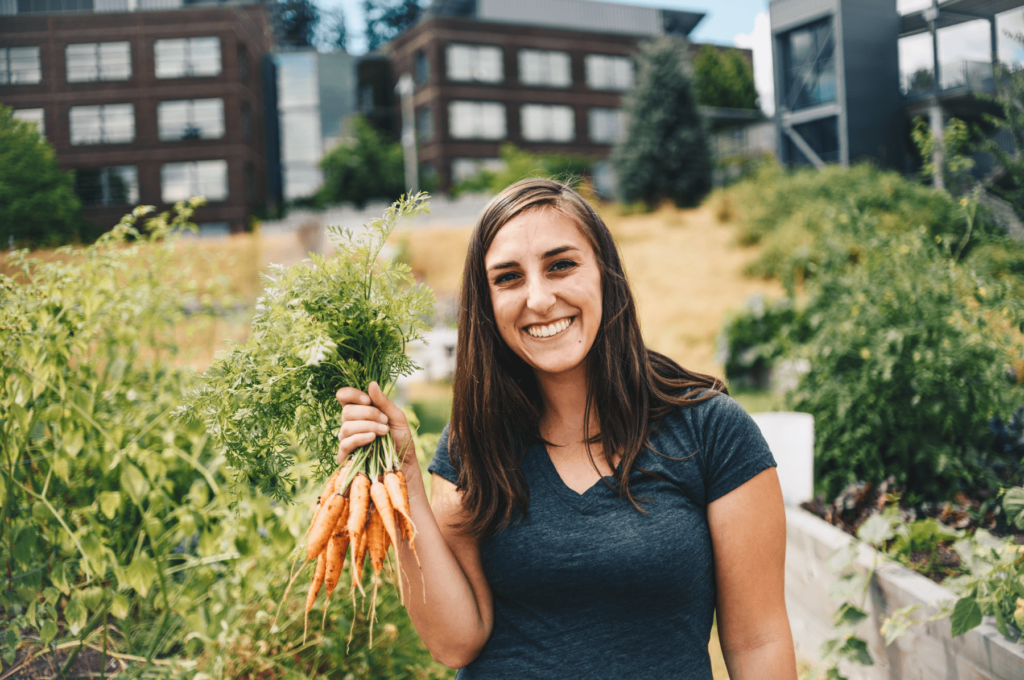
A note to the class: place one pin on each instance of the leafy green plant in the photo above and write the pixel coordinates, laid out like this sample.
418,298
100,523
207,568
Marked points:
339,322
364,167
955,150
520,164
724,78
753,337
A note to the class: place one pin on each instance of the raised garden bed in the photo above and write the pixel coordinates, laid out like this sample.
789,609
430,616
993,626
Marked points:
925,651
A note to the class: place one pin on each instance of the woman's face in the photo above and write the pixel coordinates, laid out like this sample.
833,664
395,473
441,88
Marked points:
545,287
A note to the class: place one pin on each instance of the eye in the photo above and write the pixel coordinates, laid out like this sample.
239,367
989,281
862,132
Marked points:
563,265
507,277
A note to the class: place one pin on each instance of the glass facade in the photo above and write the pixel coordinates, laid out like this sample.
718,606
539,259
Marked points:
477,120
187,57
88,62
809,65
545,68
547,123
607,126
104,124
606,72
32,116
182,181
20,66
107,186
298,87
821,135
474,63
425,124
190,119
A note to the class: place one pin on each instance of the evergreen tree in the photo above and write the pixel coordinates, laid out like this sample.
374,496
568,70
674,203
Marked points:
724,78
387,19
297,22
38,205
665,152
332,33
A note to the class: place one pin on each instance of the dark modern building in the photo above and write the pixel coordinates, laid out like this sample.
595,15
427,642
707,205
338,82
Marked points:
851,75
148,101
545,75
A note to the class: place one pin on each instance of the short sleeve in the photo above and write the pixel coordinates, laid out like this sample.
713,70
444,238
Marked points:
442,463
734,449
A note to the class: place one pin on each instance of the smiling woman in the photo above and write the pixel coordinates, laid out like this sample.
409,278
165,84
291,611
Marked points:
594,503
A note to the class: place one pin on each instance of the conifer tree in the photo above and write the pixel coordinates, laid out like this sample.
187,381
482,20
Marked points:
664,154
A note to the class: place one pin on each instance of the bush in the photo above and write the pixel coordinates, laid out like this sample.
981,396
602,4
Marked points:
120,528
664,154
908,362
521,164
38,205
753,338
724,78
365,167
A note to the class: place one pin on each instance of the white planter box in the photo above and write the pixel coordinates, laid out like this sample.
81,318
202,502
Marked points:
924,652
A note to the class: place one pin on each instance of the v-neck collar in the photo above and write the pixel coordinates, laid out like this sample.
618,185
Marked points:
579,502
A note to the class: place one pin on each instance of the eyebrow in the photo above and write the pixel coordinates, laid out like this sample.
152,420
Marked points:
551,253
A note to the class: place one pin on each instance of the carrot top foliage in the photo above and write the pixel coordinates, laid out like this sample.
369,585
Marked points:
324,324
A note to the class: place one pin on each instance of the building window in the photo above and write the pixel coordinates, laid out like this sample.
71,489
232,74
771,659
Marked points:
32,116
53,6
465,168
20,66
182,181
422,69
809,65
425,124
190,119
187,57
107,186
477,120
243,62
548,123
474,63
88,62
213,229
605,72
545,68
105,124
607,126
821,135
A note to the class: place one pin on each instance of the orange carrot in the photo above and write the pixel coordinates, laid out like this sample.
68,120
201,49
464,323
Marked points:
375,541
329,488
358,544
359,506
399,495
385,509
314,588
336,549
326,520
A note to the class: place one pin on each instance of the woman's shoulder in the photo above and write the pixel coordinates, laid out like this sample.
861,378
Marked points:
444,460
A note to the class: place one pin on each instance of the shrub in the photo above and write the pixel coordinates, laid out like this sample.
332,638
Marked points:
724,78
755,336
664,154
365,167
38,205
908,360
521,164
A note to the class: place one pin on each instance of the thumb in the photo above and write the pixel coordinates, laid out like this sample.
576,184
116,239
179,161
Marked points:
389,409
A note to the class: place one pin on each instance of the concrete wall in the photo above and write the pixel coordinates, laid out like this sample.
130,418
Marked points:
925,652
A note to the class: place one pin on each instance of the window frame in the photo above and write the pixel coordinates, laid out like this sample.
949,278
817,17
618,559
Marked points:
480,103
801,99
6,72
523,117
98,64
194,180
189,65
104,132
528,51
596,111
132,197
191,119
474,60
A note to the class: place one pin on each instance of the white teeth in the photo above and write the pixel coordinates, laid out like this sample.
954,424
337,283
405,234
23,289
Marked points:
548,331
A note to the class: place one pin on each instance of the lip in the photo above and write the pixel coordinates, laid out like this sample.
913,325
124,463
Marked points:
526,329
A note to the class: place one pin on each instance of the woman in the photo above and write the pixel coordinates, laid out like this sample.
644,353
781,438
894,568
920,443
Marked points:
593,502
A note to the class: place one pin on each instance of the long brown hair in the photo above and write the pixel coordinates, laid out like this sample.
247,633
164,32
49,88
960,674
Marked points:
496,405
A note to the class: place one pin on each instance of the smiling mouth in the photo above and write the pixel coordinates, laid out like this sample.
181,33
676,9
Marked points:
551,329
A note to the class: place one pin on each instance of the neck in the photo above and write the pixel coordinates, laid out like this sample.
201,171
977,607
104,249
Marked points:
565,401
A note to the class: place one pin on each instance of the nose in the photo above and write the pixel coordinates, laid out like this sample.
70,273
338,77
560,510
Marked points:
540,297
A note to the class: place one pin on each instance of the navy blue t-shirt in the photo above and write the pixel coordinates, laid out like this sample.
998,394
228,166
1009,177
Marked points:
586,586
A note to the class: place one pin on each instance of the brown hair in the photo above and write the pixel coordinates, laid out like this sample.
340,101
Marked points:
496,404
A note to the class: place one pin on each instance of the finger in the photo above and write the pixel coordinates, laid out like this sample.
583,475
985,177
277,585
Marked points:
352,427
350,444
393,413
354,412
350,395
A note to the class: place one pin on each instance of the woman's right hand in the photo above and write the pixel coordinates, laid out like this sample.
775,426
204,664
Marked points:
368,415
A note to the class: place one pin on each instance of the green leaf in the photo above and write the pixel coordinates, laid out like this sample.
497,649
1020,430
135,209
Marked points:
75,614
856,650
848,615
74,440
47,632
59,577
966,615
877,529
1013,506
141,573
119,605
135,483
94,551
110,503
898,624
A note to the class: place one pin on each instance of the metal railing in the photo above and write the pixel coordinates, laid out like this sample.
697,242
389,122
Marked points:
967,74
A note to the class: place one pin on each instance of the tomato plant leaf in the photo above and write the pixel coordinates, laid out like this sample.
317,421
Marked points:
75,613
47,632
110,502
141,573
966,615
119,605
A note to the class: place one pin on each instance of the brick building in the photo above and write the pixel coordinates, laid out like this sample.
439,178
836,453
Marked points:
545,75
148,101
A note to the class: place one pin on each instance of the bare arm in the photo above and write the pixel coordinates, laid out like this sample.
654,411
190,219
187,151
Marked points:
748,532
446,593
